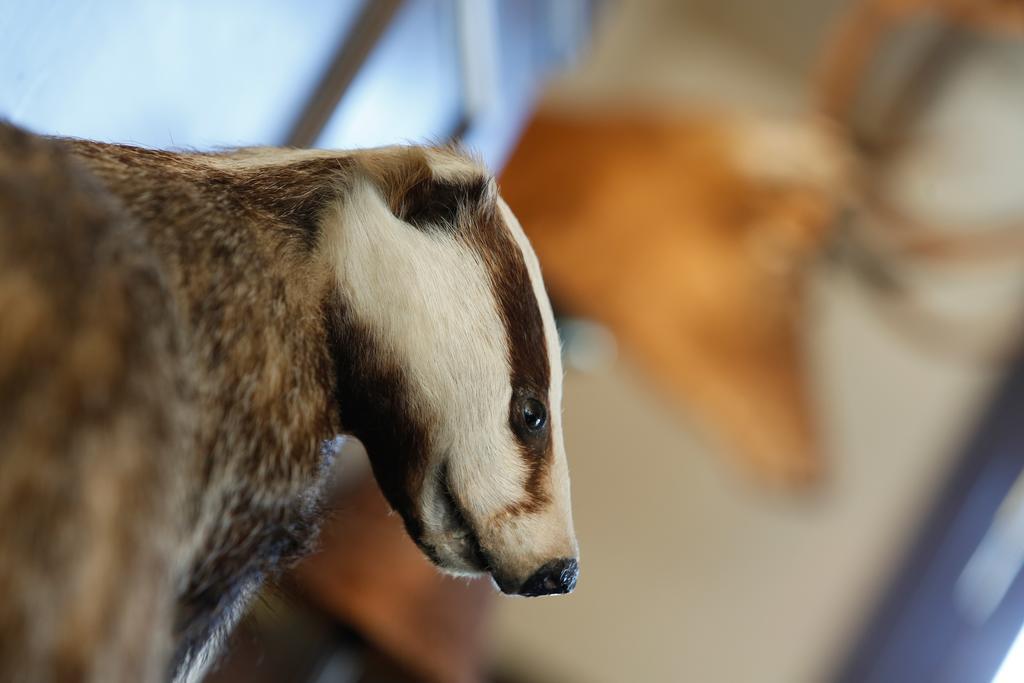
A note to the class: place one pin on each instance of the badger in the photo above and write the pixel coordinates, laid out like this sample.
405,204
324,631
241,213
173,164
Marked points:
186,339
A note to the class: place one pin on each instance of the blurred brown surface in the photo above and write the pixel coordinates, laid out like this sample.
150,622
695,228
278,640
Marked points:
690,237
371,576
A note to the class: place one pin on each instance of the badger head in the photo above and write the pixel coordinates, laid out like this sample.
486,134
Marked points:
452,379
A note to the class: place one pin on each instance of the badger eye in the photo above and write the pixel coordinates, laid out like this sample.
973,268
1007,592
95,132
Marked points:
535,415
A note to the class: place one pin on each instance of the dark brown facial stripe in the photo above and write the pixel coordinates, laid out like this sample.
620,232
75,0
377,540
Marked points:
372,398
417,197
436,204
527,346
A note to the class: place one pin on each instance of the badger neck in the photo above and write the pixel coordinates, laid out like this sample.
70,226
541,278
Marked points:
236,238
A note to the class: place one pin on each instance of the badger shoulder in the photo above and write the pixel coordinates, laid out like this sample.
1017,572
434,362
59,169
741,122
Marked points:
85,314
81,292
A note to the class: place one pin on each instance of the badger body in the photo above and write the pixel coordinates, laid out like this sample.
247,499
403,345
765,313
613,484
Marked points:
186,336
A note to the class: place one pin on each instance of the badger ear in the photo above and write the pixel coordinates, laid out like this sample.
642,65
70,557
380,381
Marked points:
415,195
437,203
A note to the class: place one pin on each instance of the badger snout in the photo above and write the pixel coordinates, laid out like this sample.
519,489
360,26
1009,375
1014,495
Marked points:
530,555
554,578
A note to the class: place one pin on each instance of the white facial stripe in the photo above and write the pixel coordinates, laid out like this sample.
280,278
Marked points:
427,299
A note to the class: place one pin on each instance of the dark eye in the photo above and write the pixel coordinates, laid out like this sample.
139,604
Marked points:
535,415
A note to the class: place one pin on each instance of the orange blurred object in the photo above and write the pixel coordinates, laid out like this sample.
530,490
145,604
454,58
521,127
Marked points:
690,238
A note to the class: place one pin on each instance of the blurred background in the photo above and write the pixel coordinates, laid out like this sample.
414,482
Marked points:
784,241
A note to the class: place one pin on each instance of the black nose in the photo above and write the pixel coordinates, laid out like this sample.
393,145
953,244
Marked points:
557,576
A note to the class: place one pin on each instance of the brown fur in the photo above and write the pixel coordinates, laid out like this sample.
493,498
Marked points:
86,524
237,256
173,360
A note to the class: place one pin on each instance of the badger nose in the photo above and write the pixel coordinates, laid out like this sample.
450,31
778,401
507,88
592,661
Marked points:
557,576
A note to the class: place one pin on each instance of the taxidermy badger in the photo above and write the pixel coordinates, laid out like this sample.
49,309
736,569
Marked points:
183,339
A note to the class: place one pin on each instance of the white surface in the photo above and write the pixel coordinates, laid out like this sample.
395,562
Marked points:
1012,668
